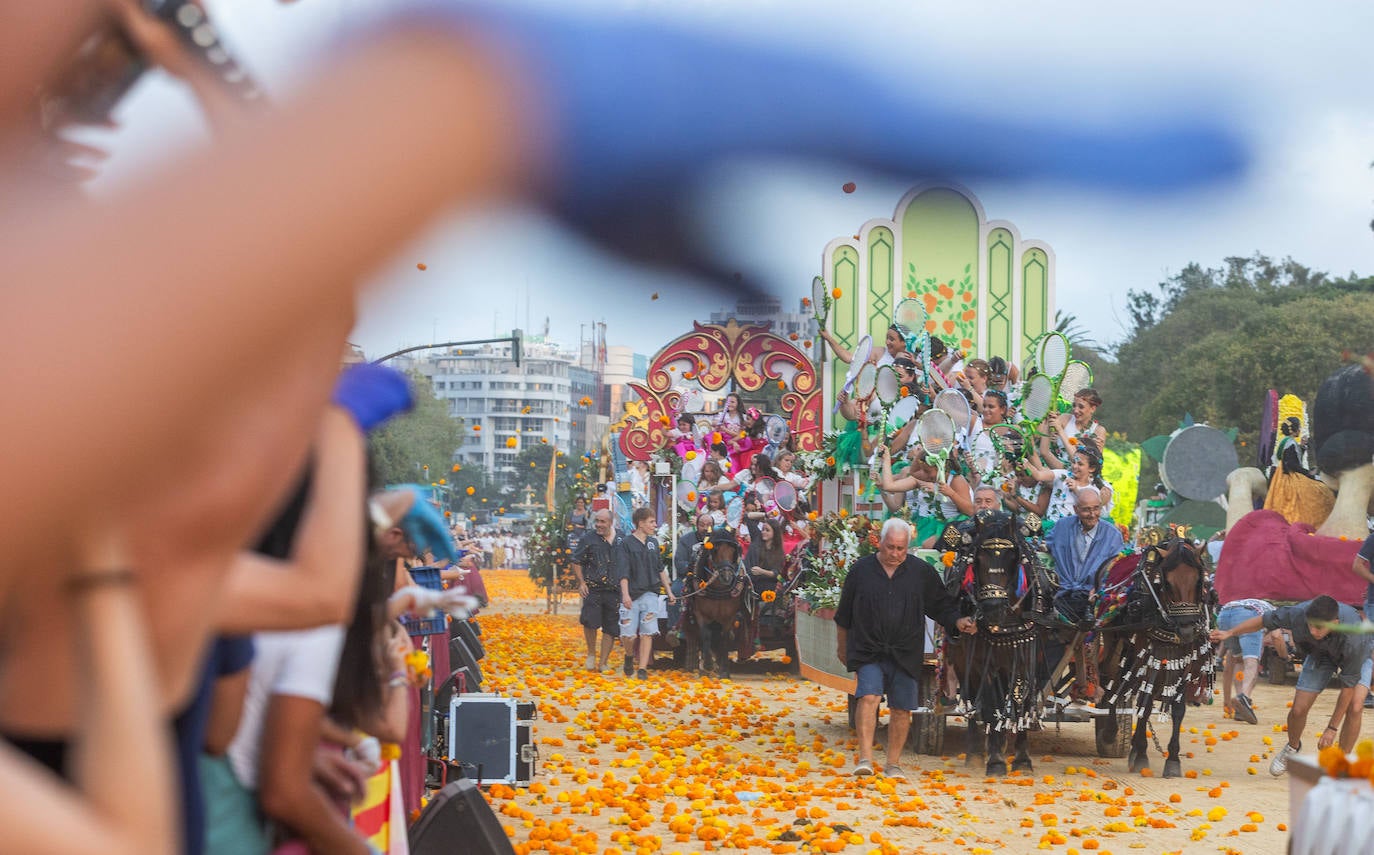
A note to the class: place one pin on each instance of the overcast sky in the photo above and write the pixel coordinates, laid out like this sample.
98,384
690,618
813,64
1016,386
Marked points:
1289,74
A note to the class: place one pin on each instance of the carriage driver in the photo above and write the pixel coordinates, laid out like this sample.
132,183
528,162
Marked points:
880,630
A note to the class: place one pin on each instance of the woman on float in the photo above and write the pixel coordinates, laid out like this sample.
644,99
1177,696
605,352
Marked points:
746,442
713,479
783,467
974,379
1079,423
982,447
935,503
894,343
729,420
1085,471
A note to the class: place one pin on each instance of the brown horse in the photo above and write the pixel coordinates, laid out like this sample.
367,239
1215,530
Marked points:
1000,584
1156,649
715,590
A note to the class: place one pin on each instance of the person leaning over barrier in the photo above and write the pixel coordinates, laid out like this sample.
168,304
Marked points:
1327,652
880,634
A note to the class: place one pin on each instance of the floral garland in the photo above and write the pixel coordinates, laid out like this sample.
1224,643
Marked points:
821,464
844,539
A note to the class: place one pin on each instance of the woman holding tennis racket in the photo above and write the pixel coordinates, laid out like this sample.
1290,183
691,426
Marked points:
1085,470
936,501
1079,423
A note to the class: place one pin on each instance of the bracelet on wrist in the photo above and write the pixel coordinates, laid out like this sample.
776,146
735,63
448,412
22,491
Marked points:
85,582
1331,727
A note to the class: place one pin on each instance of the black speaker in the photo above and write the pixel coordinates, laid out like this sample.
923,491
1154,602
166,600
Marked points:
458,819
444,694
464,629
461,656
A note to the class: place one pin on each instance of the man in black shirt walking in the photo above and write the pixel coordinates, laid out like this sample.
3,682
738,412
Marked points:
594,564
880,624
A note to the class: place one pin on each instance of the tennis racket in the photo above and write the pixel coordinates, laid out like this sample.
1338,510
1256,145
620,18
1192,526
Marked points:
1053,354
1037,399
935,430
1078,376
820,300
956,405
734,512
686,495
865,381
912,315
785,496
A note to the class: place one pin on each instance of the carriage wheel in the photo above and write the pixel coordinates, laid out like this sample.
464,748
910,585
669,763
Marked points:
1109,745
929,726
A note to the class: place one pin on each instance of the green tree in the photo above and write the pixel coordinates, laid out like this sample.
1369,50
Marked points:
532,470
1211,341
419,446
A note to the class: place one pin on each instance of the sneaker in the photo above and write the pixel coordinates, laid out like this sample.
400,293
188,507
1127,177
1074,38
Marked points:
1244,711
629,666
1279,764
864,769
591,663
893,771
642,674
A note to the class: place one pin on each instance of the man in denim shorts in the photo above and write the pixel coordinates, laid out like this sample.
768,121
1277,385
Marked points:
880,629
1329,652
1361,568
641,574
1242,651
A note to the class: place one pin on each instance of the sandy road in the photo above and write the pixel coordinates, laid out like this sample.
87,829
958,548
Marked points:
682,763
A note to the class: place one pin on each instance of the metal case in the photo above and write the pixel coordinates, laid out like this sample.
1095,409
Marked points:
491,738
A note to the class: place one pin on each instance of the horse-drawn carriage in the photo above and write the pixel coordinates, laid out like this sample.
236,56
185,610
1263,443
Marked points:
725,610
1144,638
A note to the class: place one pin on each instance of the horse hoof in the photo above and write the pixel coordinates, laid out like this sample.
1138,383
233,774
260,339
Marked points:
1022,764
1173,768
1138,760
996,768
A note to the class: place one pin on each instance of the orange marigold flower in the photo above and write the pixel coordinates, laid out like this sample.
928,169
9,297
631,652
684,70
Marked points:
947,559
836,293
769,596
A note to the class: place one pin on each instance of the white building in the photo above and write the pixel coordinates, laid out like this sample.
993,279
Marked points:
801,323
516,408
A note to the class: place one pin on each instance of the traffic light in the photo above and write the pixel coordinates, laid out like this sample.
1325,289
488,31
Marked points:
517,343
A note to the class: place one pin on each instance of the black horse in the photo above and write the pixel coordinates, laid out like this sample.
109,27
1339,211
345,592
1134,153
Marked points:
1001,585
1155,611
715,591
